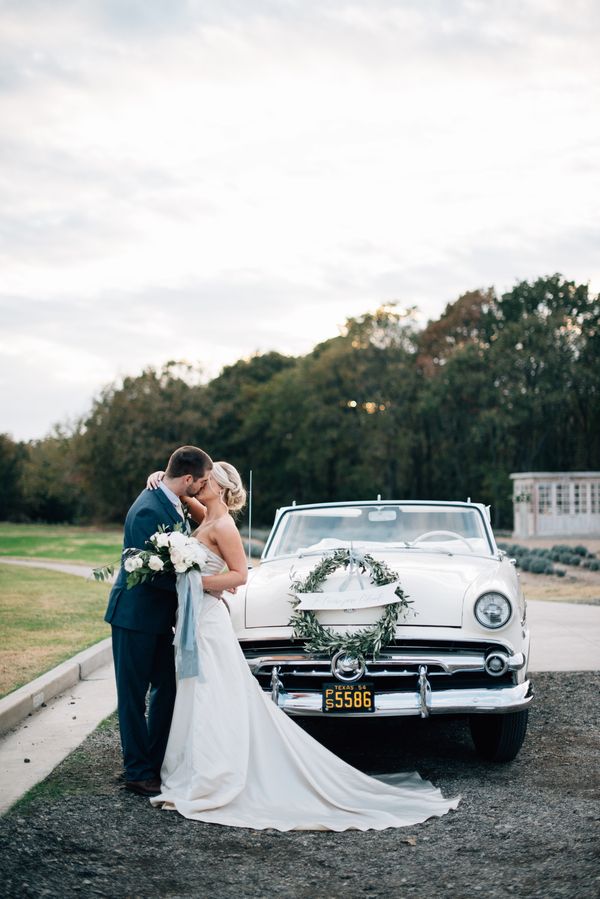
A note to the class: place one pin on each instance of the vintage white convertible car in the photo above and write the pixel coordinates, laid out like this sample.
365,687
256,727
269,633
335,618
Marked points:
461,648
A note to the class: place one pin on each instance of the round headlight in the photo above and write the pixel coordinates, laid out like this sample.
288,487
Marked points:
492,610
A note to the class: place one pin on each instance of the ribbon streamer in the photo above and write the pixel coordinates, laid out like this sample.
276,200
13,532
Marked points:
189,594
355,561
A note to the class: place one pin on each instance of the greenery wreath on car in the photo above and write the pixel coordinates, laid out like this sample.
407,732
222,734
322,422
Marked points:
364,642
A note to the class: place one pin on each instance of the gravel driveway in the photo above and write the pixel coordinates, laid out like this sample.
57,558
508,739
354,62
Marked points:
525,829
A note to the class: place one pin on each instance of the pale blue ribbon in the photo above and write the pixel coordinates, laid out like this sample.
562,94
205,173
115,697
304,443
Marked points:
189,595
356,560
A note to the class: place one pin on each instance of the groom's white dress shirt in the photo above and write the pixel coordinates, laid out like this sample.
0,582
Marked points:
172,498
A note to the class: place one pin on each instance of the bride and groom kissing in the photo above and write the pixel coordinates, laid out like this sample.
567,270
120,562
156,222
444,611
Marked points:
213,746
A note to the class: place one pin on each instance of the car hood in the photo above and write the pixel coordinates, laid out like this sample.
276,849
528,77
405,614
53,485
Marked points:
434,583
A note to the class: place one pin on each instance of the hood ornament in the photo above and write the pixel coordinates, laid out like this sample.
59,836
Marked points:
347,667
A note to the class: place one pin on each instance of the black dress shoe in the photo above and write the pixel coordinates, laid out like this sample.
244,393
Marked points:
143,787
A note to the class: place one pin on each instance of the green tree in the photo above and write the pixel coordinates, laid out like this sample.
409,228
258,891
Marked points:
131,431
12,459
51,484
338,425
495,385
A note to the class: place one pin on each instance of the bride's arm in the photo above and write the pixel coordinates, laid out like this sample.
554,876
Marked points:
154,479
195,508
228,540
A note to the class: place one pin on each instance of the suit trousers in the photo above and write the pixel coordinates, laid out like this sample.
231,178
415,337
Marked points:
144,662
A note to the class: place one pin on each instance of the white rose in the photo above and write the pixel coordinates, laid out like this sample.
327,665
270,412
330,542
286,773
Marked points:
176,556
180,567
199,553
132,563
161,539
177,539
156,563
191,554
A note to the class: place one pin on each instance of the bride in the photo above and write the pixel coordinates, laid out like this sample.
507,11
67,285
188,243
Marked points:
233,757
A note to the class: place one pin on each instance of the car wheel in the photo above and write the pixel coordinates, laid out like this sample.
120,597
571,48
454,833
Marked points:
498,738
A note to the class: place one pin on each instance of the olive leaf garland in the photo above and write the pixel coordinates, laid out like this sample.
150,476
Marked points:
362,643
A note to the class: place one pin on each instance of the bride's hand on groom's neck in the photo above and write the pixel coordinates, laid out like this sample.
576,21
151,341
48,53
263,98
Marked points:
154,479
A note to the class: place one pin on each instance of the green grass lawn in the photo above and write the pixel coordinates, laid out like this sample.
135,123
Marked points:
45,618
87,545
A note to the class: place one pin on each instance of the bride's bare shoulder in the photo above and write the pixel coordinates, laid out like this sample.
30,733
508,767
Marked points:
226,524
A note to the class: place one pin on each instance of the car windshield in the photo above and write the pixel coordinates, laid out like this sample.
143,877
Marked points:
421,528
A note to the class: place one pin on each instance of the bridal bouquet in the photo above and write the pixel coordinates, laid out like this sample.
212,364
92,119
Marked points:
169,551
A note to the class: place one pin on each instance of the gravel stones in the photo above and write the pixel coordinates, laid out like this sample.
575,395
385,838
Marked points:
526,829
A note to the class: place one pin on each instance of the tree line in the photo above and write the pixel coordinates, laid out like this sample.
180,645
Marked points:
496,384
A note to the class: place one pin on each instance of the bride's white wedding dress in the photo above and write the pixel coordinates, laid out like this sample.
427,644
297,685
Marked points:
234,758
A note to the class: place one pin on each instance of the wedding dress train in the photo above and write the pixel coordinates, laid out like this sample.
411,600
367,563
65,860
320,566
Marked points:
234,758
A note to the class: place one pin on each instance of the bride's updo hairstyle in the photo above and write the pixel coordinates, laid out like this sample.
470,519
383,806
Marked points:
229,480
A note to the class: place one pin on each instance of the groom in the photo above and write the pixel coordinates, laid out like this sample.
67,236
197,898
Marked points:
142,620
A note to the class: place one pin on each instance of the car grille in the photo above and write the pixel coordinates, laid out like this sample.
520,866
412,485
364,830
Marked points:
451,664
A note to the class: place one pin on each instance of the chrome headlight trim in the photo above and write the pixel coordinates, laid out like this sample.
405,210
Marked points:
503,606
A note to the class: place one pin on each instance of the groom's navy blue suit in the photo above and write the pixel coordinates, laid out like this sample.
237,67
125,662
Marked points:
142,620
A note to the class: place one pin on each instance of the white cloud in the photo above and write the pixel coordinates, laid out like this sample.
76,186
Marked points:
234,176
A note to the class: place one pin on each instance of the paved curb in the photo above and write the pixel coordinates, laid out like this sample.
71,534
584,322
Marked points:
20,703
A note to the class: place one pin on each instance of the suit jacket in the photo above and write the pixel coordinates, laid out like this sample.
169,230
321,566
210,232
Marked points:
148,607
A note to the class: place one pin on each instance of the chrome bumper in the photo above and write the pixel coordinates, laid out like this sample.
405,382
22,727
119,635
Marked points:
422,702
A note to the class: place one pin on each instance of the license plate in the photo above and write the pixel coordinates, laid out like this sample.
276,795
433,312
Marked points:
348,699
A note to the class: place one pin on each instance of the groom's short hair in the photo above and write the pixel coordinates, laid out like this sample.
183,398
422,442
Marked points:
188,460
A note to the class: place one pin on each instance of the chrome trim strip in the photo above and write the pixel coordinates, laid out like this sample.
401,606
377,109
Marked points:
480,700
449,662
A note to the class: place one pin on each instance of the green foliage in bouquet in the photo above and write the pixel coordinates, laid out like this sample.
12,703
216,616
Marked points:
170,551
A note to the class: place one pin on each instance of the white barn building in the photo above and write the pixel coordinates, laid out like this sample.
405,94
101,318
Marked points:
556,503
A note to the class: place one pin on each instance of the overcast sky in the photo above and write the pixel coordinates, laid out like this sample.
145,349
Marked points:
202,180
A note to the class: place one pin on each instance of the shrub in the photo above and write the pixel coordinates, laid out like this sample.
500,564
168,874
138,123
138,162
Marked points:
538,566
559,572
581,551
524,562
594,565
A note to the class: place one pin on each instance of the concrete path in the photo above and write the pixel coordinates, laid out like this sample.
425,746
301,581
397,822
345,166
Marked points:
54,730
65,568
48,735
565,636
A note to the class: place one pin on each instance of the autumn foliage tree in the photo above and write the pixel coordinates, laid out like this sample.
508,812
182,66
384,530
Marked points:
496,384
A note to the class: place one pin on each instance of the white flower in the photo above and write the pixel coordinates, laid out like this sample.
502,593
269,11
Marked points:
177,539
176,555
132,563
156,563
160,539
180,567
198,553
